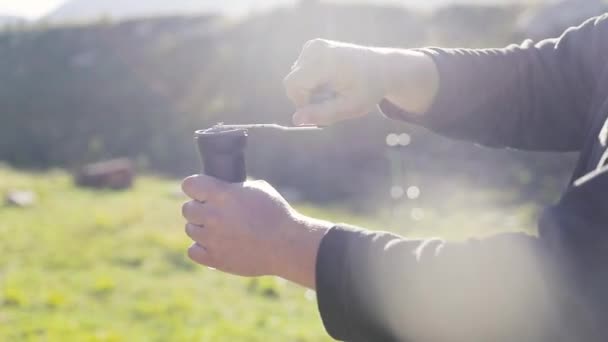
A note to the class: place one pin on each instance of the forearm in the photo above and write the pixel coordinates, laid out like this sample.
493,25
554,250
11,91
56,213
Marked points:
296,255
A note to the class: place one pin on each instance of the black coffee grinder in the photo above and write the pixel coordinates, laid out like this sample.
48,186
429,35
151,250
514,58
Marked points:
222,148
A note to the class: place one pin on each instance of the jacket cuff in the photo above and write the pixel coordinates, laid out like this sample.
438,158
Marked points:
332,269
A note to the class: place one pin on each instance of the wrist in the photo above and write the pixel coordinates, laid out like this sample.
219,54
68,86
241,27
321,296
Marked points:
296,253
411,79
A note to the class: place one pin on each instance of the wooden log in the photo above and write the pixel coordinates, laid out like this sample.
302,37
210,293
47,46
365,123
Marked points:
114,174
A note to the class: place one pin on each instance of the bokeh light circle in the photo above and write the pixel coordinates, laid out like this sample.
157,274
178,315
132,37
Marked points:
404,139
413,192
392,140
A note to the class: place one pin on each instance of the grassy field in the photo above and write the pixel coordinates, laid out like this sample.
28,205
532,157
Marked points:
110,266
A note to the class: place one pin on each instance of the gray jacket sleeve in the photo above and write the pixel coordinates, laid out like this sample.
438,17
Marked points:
376,286
381,287
529,96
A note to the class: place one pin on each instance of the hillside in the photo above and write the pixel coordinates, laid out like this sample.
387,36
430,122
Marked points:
11,20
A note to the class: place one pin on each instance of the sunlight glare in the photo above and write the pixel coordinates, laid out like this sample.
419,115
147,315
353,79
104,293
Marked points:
30,9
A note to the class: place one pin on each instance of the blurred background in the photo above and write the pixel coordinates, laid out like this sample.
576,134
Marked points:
99,96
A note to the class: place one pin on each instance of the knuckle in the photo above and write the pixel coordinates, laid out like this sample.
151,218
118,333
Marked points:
187,184
288,80
189,231
291,87
197,254
291,82
186,209
316,44
191,211
192,252
294,89
313,47
320,118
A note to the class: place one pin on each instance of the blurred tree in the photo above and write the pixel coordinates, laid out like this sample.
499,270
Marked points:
140,88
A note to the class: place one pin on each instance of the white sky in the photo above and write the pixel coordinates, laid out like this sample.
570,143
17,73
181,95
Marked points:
33,9
28,8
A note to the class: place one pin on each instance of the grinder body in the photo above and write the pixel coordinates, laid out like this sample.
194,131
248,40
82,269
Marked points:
222,151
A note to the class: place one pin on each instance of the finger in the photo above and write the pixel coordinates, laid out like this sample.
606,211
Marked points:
200,255
301,81
197,233
329,112
203,188
200,214
314,50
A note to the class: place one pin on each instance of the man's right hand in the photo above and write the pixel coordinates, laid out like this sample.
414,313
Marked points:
360,77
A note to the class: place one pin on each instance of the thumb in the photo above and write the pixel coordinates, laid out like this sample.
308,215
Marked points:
203,188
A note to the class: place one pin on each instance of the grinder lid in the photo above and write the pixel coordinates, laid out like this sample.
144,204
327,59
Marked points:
221,139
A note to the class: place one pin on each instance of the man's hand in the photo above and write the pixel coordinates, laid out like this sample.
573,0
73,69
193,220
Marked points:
360,77
250,230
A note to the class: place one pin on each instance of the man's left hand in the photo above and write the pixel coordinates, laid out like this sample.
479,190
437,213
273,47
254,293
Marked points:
249,229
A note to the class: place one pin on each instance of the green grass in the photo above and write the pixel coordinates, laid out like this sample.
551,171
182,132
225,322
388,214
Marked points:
110,266
87,265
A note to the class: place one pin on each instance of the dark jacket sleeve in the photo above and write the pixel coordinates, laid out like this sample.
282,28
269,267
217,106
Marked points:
529,96
381,287
376,286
